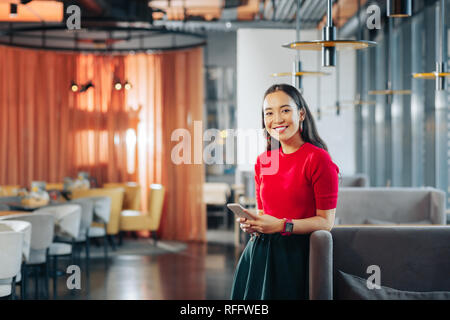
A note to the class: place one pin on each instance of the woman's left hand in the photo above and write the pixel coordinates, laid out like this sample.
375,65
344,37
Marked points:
264,223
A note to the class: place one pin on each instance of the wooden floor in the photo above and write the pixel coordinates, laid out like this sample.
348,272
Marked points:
201,271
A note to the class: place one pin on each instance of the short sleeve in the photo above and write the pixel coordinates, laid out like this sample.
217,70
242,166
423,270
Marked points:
258,184
325,180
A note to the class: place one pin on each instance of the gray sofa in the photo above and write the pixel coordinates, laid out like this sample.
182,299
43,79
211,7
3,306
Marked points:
357,180
414,263
377,206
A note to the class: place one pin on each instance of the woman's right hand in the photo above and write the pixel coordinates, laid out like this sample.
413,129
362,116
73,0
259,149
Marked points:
245,227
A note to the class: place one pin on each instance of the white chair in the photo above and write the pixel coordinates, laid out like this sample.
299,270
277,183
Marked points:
11,248
23,227
67,224
102,211
42,231
87,215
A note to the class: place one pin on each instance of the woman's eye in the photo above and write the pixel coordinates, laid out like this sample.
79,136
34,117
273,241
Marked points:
268,113
286,110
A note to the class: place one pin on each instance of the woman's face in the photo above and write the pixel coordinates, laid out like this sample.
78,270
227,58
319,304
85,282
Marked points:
281,116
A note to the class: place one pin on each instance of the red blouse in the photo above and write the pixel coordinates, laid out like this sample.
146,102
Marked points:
306,180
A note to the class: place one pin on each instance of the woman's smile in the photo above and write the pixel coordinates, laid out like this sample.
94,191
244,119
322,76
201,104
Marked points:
281,129
281,117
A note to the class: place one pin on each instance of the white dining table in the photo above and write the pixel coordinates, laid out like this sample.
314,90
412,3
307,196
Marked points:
63,226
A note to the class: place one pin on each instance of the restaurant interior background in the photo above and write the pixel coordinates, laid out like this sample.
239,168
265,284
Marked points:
104,102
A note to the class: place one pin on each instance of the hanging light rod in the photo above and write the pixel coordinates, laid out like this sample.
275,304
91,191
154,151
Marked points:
329,44
399,8
297,72
441,73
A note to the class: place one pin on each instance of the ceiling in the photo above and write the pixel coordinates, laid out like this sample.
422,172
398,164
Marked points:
194,14
135,24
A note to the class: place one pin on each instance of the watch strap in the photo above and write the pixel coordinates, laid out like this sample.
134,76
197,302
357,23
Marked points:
285,233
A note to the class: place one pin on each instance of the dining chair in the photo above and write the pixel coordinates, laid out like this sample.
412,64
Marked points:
97,210
42,231
102,212
9,190
87,215
54,186
133,220
24,228
116,195
11,247
131,198
132,195
67,224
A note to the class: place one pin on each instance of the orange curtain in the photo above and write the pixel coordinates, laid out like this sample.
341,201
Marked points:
47,132
99,120
169,89
34,105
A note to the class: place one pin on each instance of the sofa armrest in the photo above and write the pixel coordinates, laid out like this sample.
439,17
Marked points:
321,266
437,207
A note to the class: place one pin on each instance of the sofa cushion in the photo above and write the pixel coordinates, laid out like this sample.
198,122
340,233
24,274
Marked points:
350,287
391,204
383,222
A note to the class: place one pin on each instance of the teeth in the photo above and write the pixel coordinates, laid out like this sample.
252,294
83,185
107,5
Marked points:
280,128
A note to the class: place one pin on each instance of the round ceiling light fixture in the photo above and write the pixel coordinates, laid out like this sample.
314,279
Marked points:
99,38
297,72
328,45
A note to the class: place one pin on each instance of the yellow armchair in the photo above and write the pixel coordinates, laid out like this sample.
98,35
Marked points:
54,186
132,220
116,195
9,191
132,197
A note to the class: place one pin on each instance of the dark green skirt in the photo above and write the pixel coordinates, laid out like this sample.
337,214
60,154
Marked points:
273,267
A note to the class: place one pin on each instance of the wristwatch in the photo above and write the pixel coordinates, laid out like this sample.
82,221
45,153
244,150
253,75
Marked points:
288,227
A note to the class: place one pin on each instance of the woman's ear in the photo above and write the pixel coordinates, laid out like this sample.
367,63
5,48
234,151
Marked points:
302,114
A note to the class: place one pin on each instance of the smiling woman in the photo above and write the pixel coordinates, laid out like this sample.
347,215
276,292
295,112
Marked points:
290,105
295,200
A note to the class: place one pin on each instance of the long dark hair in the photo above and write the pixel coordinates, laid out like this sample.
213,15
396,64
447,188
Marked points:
309,132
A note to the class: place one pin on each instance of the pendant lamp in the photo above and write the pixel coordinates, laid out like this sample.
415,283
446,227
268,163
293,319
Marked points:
297,72
358,101
329,44
441,74
389,91
399,8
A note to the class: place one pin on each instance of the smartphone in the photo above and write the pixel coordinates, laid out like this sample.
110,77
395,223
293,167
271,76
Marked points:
238,210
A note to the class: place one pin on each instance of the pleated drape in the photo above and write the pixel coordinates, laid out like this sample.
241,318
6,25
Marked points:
34,105
47,132
170,93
